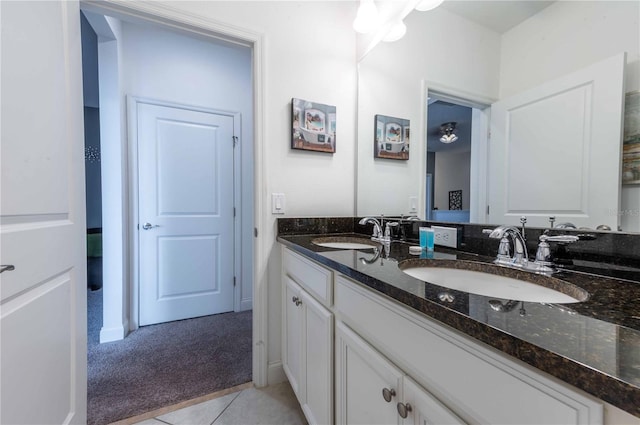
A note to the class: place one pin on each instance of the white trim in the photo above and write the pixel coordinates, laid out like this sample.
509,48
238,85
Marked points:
132,181
115,333
169,16
276,373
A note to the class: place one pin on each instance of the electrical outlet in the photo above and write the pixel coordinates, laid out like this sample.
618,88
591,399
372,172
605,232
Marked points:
446,236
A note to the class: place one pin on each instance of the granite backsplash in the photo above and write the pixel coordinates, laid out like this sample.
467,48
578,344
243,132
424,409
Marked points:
605,253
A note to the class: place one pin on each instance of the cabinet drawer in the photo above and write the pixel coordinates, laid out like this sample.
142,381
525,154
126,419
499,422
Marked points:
477,382
314,278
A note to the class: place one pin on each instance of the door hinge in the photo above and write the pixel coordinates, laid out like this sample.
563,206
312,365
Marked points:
234,281
255,232
235,141
487,209
234,211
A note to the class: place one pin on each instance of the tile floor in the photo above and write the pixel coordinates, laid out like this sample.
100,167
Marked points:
276,404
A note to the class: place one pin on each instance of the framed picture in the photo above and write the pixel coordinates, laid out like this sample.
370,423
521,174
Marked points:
455,199
313,126
631,139
391,138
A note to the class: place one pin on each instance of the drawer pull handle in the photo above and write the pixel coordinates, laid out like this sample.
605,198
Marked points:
403,410
296,300
388,394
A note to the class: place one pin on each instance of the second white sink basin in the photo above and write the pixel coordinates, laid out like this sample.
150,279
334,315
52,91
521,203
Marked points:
544,290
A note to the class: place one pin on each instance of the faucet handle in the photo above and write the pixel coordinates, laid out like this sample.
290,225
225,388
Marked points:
387,229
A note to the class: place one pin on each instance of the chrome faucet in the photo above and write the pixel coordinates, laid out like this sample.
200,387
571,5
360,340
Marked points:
378,234
377,229
520,256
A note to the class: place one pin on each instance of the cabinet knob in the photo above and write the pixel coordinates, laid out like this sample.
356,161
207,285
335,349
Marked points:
296,300
403,410
388,394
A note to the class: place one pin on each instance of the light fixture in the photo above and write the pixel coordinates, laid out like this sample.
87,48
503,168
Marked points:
425,5
396,32
367,17
447,129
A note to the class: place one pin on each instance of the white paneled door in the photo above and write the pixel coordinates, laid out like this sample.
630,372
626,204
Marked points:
555,150
185,212
43,352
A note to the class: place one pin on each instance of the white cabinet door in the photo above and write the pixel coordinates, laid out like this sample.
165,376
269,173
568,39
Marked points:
362,375
43,309
555,150
292,329
424,409
318,361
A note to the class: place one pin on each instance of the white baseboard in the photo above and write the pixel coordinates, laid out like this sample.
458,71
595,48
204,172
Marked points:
115,333
246,304
275,373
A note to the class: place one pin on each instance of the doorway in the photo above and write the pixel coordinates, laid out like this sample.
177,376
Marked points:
130,50
456,133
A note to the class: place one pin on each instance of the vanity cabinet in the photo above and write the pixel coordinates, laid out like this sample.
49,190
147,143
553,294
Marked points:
430,373
308,335
372,390
476,383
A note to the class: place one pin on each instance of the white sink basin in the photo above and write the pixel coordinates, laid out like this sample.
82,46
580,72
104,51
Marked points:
341,242
544,290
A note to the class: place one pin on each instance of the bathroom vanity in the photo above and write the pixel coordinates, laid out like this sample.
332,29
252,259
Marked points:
364,342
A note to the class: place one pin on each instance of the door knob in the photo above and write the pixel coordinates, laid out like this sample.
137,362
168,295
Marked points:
147,226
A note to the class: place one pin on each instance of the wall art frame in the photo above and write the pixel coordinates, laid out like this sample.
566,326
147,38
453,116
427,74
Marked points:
391,137
631,139
313,126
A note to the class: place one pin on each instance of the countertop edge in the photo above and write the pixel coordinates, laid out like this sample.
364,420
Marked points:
594,382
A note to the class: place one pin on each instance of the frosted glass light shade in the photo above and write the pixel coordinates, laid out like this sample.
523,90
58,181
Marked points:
448,138
425,5
367,17
397,31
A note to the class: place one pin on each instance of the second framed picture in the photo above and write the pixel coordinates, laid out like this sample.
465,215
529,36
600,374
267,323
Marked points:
391,138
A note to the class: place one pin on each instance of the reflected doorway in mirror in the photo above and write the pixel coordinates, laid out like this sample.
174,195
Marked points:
631,139
391,137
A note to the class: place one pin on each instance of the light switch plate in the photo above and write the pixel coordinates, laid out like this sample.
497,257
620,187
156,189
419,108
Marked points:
413,204
278,203
446,236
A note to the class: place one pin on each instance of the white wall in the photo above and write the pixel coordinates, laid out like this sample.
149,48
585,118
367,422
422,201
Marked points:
310,54
565,37
390,82
452,172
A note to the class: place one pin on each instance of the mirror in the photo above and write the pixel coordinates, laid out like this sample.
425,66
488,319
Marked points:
497,50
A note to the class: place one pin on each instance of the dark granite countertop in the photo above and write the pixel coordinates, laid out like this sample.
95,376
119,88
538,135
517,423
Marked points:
593,345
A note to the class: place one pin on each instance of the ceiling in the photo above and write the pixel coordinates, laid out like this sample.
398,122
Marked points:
499,16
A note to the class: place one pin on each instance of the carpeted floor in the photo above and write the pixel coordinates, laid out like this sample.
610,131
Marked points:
164,364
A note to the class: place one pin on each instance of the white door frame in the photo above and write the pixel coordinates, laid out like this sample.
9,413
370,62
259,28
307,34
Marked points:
134,197
168,16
